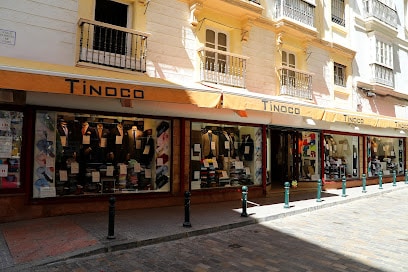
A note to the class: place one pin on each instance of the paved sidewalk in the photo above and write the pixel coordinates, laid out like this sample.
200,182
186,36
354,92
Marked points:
29,243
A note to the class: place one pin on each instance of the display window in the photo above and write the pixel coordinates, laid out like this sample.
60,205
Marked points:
341,156
309,156
384,154
82,154
225,155
11,134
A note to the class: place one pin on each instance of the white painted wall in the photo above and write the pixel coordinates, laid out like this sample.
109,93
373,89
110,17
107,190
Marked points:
45,30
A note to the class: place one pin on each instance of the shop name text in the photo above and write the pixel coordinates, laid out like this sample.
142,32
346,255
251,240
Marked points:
98,90
269,106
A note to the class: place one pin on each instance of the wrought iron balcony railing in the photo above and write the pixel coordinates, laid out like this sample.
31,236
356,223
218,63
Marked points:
296,10
382,75
222,67
382,12
113,46
295,83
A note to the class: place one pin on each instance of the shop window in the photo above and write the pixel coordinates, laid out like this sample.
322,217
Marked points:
309,154
386,155
79,154
225,156
340,156
11,126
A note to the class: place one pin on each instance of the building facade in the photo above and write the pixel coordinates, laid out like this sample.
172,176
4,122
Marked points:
145,100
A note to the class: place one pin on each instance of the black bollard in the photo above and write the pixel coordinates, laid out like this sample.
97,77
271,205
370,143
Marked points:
244,201
187,223
111,227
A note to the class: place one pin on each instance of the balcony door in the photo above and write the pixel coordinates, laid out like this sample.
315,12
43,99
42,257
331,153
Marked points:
288,64
216,61
109,39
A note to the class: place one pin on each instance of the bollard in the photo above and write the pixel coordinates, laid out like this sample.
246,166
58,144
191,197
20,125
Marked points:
111,226
380,176
319,190
394,178
343,186
187,198
406,176
244,201
364,183
287,186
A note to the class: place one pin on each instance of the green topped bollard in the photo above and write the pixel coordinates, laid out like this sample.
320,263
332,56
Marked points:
394,178
319,190
343,186
380,176
364,183
244,201
287,186
406,176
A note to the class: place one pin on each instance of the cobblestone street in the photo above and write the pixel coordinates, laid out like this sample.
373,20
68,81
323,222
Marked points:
364,235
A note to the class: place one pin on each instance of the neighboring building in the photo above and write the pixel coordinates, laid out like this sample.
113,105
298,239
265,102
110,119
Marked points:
145,100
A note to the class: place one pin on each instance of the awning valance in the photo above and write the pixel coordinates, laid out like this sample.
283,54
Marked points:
48,78
349,117
245,102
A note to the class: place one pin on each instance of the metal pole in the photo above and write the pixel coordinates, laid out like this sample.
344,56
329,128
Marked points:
364,183
111,226
244,201
394,178
380,175
343,186
287,186
187,198
406,176
319,190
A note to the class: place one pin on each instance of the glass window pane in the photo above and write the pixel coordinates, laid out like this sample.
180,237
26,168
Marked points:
386,155
11,128
82,154
340,156
225,155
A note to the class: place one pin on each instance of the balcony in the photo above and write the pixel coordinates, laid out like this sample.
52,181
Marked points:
112,46
222,67
296,10
295,83
380,11
382,75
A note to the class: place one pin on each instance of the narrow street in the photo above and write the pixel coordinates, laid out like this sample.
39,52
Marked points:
364,235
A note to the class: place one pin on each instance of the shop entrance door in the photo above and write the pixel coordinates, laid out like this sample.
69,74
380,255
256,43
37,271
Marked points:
283,156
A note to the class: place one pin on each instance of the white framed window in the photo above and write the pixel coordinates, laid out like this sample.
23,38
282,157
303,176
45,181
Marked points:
288,74
217,40
339,74
383,53
338,12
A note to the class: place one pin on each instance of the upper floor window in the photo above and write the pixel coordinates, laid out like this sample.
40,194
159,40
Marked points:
339,74
109,39
216,61
383,53
338,16
288,75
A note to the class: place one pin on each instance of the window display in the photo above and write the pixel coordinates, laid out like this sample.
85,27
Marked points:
308,148
224,156
77,154
386,155
340,156
11,127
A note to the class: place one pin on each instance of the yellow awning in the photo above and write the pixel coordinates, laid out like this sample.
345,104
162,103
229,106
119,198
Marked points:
51,78
392,123
349,117
243,102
